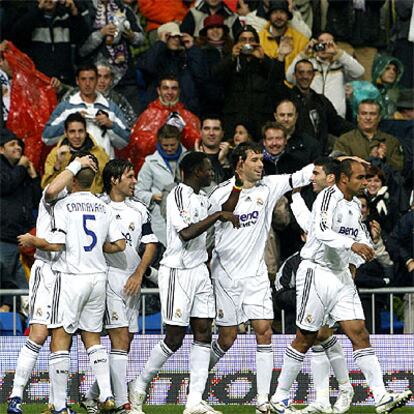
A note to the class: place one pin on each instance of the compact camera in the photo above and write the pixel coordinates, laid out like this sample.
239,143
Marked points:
319,47
247,49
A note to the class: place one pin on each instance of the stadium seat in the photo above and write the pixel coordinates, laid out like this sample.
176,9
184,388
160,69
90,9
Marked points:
385,323
6,324
152,323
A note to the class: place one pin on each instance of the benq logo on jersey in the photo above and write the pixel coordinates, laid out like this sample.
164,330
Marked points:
348,231
248,219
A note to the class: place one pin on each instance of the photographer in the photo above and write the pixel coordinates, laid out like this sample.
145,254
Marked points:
333,68
248,75
175,54
46,33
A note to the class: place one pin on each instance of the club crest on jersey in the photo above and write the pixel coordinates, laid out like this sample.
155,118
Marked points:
309,318
114,316
259,201
185,216
131,226
39,312
220,314
178,313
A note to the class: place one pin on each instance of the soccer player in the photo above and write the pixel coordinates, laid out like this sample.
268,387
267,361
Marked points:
82,226
42,280
325,287
125,274
186,291
239,273
326,351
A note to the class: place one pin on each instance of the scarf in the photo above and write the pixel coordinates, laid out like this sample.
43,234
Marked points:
169,157
272,158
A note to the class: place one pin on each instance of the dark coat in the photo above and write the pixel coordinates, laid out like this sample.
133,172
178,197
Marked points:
247,89
187,65
54,58
357,27
19,197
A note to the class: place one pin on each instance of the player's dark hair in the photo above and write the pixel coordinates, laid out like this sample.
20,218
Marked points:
85,178
240,151
191,162
328,164
114,170
345,167
75,117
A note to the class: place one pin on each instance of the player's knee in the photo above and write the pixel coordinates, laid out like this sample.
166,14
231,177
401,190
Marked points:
265,337
203,336
174,342
38,338
226,341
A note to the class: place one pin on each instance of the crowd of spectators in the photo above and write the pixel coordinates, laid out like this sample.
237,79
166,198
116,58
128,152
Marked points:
149,80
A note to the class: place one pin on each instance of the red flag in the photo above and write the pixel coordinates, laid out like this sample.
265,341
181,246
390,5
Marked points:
32,101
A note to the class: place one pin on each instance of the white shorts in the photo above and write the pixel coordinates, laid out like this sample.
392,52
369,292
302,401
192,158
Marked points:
185,294
121,310
241,300
324,296
41,283
80,303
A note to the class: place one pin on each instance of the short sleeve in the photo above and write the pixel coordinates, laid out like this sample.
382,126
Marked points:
59,224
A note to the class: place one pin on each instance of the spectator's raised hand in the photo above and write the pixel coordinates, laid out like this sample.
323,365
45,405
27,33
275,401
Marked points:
87,162
285,47
70,4
309,47
197,146
102,119
375,230
108,30
224,150
236,50
187,40
258,51
31,170
164,36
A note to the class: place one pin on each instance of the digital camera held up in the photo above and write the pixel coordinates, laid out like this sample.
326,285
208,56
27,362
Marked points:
319,47
247,49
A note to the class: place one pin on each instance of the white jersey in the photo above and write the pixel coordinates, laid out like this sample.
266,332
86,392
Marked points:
335,226
82,222
44,224
300,211
240,252
185,207
134,222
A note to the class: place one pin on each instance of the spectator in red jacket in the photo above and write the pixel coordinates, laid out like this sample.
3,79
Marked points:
166,108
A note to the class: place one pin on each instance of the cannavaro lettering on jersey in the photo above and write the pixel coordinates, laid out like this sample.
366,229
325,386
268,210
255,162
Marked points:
349,231
89,207
248,219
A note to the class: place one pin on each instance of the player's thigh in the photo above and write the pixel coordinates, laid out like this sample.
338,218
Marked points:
257,297
204,305
229,310
41,286
93,310
310,306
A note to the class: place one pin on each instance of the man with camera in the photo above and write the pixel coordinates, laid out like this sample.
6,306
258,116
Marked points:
104,119
333,68
248,75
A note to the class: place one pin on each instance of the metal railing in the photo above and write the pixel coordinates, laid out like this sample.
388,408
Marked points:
391,291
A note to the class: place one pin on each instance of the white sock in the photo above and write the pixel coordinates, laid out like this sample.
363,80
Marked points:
59,364
320,373
118,361
368,363
335,354
216,353
199,360
25,364
98,359
264,369
159,356
292,363
93,392
50,400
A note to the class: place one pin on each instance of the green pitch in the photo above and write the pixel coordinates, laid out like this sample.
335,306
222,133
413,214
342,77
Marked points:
178,409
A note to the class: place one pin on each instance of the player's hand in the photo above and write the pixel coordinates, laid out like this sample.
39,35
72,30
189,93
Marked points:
363,250
365,163
87,162
296,190
230,217
25,240
133,284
